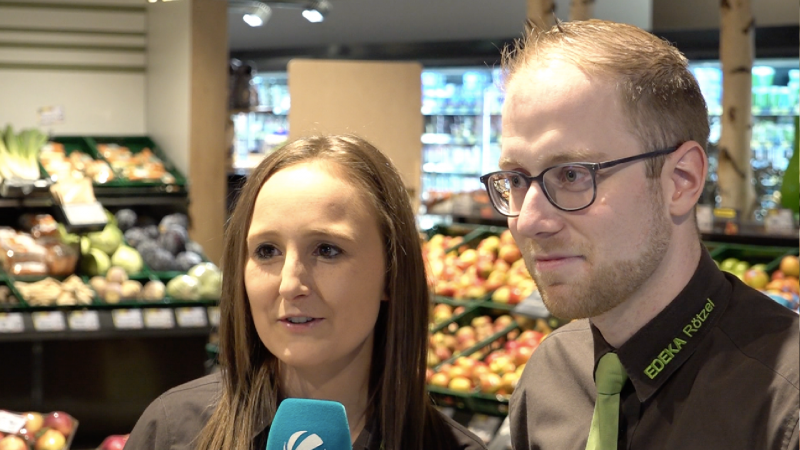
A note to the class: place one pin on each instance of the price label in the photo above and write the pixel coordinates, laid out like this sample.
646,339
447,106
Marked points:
49,321
11,323
779,221
213,316
11,423
191,317
158,318
127,319
705,218
85,214
84,320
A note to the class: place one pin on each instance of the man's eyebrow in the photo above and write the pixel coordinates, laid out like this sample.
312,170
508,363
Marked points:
569,156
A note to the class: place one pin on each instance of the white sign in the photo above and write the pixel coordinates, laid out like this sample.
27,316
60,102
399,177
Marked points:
158,318
11,423
779,221
213,315
127,319
191,317
11,323
84,320
50,115
49,321
705,218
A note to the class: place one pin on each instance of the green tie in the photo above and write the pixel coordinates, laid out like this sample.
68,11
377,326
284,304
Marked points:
610,377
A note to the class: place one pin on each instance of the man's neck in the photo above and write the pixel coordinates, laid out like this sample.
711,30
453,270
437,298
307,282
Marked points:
669,279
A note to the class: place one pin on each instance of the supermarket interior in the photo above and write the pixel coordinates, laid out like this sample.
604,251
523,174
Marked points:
127,128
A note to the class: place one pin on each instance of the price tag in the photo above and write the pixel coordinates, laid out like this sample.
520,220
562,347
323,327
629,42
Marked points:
779,221
158,318
191,317
705,218
127,319
49,321
11,323
11,423
213,316
85,215
84,320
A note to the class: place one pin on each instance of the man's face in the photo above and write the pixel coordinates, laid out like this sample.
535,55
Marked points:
585,262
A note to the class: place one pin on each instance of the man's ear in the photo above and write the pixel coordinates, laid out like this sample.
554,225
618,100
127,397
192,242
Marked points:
685,172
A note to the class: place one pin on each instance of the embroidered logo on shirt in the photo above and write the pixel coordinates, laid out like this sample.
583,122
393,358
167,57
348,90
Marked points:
666,355
309,443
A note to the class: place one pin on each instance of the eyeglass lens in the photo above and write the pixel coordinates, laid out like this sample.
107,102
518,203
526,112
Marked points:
567,186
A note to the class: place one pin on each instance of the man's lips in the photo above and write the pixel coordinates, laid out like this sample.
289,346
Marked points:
555,261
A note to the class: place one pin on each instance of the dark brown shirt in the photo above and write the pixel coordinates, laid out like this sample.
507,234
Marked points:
174,420
717,369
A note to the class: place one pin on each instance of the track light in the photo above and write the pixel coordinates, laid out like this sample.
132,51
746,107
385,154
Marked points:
317,11
253,13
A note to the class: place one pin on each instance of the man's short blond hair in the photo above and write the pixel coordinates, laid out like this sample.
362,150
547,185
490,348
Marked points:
660,96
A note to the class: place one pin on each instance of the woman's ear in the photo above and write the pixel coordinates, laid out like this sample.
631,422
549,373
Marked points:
685,174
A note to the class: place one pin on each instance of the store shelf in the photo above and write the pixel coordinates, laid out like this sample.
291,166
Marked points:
98,322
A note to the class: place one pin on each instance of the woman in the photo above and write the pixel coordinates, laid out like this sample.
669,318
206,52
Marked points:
324,297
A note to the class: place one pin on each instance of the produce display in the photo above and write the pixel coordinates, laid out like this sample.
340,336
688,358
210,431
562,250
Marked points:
60,165
781,285
141,166
114,442
36,431
50,292
493,266
37,252
7,297
19,154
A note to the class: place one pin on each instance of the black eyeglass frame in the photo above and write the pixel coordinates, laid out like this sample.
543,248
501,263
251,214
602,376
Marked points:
591,167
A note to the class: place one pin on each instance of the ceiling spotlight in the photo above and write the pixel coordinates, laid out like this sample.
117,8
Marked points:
317,11
253,13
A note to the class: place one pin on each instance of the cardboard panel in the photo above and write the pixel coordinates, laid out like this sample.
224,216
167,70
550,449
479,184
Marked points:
379,101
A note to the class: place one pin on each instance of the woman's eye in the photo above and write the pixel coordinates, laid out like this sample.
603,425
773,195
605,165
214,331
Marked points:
265,251
328,251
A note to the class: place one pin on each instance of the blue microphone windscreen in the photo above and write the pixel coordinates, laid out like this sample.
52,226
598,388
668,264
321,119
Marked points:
305,424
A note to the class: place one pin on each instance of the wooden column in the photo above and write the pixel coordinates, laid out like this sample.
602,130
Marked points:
736,56
541,13
581,9
207,119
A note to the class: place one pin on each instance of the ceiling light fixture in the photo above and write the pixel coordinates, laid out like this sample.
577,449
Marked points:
253,13
317,11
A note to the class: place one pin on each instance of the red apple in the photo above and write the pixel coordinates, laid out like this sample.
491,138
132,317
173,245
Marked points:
440,379
507,238
465,333
468,258
115,442
428,374
510,253
460,384
522,354
51,439
502,322
490,383
59,421
530,338
459,310
33,421
458,371
484,267
502,295
511,346
12,442
481,321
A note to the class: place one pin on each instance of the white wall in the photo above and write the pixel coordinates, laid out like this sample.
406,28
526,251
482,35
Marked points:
169,79
86,57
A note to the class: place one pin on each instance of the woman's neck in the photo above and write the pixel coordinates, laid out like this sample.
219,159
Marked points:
348,385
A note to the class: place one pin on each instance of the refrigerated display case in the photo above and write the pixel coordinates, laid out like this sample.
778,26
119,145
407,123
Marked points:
775,106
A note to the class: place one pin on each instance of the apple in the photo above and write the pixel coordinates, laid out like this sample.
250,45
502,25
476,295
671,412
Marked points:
531,338
502,295
501,266
458,371
440,379
490,244
479,371
59,421
465,333
428,374
481,321
12,442
115,442
790,266
490,383
755,278
502,322
485,267
509,253
475,292
502,364
33,421
511,346
468,258
507,238
522,354
459,310
495,280
460,384
432,360
442,353
51,439
509,381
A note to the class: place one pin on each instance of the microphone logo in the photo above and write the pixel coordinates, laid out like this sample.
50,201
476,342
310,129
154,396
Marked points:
310,442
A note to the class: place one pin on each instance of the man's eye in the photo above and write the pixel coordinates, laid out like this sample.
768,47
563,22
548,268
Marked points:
265,251
572,175
516,181
328,251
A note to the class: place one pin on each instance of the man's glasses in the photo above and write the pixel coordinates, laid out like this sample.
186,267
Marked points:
568,187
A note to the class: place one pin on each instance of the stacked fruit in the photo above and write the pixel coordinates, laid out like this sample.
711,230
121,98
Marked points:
496,373
38,431
452,340
782,285
495,264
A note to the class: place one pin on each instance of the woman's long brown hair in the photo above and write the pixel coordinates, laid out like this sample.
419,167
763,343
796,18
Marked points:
251,388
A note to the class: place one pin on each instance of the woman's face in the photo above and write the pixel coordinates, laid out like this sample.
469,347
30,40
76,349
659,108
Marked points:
315,269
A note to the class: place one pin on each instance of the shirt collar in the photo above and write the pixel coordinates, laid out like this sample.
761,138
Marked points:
661,346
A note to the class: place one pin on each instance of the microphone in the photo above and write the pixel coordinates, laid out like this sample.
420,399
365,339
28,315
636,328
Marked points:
305,424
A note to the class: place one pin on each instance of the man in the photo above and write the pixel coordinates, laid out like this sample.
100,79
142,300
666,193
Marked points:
603,160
